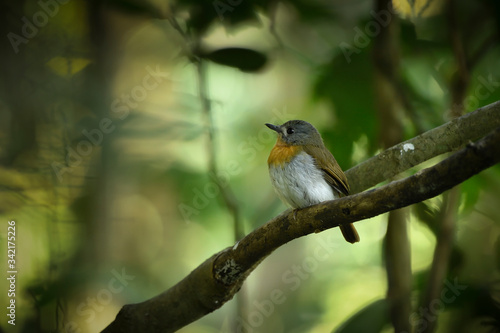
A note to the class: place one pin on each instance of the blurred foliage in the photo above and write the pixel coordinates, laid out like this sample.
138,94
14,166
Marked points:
375,313
104,163
355,115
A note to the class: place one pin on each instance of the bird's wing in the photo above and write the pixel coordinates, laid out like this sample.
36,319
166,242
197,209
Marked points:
332,172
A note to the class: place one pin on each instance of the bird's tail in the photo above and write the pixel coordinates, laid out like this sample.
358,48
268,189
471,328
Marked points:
349,232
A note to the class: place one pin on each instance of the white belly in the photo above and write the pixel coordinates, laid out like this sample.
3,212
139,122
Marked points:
300,183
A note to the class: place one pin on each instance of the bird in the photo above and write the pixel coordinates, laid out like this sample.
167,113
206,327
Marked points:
304,172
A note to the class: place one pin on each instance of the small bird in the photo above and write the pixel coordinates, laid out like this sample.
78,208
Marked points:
304,172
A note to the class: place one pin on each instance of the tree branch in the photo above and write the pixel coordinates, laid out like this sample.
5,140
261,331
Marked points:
445,138
220,277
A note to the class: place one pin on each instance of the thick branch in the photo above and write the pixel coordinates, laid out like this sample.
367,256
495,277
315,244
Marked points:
440,140
216,281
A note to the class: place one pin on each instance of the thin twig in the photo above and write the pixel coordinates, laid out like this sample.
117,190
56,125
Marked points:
227,194
272,26
224,188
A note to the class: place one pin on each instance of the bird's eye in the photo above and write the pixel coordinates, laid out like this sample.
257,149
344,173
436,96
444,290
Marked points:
290,130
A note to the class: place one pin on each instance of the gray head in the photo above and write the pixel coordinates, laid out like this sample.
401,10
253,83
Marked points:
297,133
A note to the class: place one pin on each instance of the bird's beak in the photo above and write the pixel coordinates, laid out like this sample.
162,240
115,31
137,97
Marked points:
274,127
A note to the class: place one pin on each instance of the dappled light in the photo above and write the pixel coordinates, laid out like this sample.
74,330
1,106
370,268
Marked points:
134,179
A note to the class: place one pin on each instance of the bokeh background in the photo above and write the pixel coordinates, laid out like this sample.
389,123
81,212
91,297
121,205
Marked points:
133,147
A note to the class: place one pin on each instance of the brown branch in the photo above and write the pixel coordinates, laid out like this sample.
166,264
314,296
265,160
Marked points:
451,199
461,79
442,254
218,279
440,140
389,98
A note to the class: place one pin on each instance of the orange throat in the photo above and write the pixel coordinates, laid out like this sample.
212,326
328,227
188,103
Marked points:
282,153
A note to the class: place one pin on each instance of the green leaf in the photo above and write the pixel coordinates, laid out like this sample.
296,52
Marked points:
471,189
428,214
370,319
347,84
201,15
244,59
